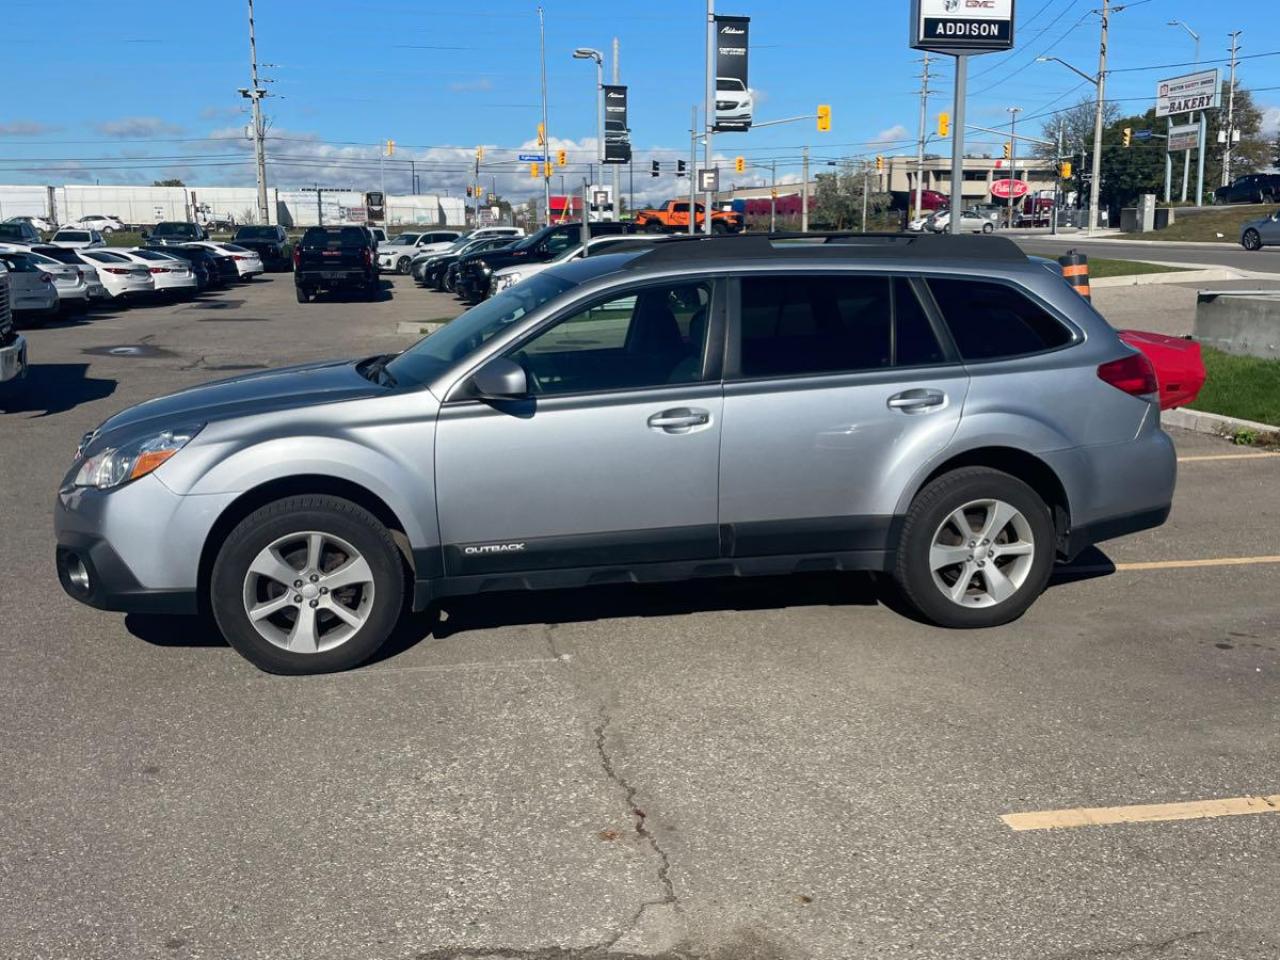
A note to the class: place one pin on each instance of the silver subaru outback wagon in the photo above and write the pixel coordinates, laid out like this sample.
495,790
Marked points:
938,409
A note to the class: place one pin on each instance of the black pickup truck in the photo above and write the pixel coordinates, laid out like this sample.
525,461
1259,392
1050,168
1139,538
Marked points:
271,243
475,269
335,258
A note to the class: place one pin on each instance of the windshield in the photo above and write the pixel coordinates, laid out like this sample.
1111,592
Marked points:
72,235
256,233
403,240
103,257
19,262
176,230
12,231
730,83
235,249
433,355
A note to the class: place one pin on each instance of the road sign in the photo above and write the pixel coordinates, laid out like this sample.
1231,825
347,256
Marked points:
1006,189
1191,91
962,27
533,158
1142,134
1184,137
709,180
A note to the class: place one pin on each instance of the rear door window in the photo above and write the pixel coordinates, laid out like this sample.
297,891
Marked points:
798,324
994,321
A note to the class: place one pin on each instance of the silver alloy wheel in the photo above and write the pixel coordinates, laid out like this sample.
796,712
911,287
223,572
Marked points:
308,592
981,553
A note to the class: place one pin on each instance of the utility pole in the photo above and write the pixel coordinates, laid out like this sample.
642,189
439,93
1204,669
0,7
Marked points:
1095,184
957,141
773,198
866,173
1231,108
924,109
617,174
255,95
804,190
693,172
1013,158
1057,183
546,131
709,111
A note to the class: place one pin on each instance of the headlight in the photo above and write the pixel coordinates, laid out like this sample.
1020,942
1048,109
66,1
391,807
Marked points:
505,280
112,466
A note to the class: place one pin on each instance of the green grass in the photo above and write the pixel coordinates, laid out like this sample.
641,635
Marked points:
1206,225
1245,387
1102,267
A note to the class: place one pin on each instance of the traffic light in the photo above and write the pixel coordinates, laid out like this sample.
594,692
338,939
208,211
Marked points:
1008,149
1064,170
682,169
654,170
1128,136
944,124
879,163
479,154
740,164
542,134
533,171
562,158
824,117
391,147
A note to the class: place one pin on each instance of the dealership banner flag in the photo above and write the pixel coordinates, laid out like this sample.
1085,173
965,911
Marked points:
617,138
733,91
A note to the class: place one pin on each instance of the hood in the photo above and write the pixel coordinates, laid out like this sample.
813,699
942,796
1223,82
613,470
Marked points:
255,393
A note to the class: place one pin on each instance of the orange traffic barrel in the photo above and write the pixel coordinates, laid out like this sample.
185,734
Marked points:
1075,267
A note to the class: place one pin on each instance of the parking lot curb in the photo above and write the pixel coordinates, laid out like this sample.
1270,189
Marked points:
1217,425
1173,276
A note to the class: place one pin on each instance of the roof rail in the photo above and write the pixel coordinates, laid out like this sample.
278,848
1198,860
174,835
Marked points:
831,245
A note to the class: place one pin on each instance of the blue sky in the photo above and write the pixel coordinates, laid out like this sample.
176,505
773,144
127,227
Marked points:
133,90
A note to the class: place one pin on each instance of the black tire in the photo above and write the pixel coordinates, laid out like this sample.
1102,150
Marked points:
1251,240
325,514
932,505
988,227
402,266
653,226
303,295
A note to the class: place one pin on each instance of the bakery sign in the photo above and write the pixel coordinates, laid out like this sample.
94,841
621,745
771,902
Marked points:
1188,93
962,27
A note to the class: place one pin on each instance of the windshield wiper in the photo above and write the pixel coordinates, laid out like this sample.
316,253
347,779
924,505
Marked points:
376,369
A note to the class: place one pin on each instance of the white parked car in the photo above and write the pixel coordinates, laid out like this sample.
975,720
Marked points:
68,280
510,276
121,276
94,289
248,262
398,252
969,223
13,345
734,103
169,273
74,239
39,223
921,223
96,221
33,298
495,232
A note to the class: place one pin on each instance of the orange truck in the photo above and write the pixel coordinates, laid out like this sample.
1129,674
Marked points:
673,217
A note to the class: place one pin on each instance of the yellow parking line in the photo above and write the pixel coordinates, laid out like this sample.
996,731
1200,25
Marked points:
1227,456
1141,813
1185,564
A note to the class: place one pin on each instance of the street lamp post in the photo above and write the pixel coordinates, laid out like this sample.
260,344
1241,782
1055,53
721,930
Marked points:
586,53
1099,82
1013,157
1186,154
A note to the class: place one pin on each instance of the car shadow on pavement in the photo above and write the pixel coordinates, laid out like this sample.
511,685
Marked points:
161,630
1091,563
54,388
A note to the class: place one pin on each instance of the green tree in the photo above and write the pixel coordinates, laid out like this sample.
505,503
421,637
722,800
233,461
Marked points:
838,198
1076,124
173,182
1128,172
1252,153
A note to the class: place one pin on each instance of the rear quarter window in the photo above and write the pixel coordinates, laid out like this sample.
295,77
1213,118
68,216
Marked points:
994,321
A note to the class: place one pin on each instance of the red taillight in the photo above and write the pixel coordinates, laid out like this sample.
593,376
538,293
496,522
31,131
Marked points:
1132,374
368,257
236,256
297,256
158,269
121,271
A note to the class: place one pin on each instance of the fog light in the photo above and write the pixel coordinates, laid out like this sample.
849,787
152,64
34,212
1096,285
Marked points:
77,573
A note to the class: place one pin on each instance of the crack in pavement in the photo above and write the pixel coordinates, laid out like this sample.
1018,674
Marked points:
668,897
1140,948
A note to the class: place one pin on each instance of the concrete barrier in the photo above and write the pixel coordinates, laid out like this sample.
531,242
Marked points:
1243,322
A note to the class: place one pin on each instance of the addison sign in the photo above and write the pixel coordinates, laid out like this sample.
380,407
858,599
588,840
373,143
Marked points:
962,27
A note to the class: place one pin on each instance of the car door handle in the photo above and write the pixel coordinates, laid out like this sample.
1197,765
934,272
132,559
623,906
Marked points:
679,418
917,401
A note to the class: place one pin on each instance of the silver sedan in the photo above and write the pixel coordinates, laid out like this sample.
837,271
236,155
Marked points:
1265,231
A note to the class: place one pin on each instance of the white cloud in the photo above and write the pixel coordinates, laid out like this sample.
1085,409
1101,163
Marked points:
26,128
895,133
136,127
471,86
1271,121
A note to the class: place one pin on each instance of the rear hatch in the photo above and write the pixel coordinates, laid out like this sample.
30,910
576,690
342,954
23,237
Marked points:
334,249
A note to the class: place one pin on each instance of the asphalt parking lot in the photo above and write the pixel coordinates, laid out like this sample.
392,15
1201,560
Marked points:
774,768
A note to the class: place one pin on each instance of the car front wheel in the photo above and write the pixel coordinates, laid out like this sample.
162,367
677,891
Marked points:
1251,240
988,227
402,266
307,584
976,549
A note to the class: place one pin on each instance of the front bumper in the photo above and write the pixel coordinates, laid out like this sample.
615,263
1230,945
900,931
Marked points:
13,360
135,548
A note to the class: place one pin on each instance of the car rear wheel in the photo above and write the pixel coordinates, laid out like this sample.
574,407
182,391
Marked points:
1251,240
976,549
653,226
402,266
308,584
303,294
988,227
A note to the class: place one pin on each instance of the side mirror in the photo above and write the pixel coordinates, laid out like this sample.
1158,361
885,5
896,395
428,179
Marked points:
500,379
543,247
144,234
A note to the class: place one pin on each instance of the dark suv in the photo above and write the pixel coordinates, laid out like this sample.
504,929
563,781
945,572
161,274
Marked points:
475,269
1254,188
175,232
271,243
